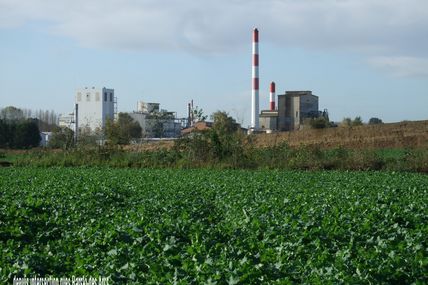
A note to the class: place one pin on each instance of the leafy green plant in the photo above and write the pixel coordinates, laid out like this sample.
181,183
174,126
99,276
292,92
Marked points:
142,226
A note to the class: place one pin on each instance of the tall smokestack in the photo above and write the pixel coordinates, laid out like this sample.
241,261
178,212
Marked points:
189,115
272,96
76,122
255,75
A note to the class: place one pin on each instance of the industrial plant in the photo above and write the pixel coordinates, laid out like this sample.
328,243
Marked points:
293,106
156,122
94,106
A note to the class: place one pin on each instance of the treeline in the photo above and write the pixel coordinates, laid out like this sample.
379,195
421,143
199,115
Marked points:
46,119
23,133
322,122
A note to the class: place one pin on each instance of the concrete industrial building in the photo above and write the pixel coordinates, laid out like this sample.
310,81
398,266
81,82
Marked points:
94,106
293,108
155,122
268,120
67,121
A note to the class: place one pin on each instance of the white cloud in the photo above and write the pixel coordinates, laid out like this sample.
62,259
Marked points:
375,28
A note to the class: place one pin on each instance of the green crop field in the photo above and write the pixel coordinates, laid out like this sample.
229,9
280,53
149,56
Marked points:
214,226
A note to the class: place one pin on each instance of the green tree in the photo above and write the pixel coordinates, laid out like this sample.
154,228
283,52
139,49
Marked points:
319,123
123,130
357,121
11,113
61,138
225,139
5,134
198,115
223,123
86,138
346,122
375,121
26,134
223,143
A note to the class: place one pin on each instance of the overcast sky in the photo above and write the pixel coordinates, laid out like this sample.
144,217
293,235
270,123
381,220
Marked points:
361,57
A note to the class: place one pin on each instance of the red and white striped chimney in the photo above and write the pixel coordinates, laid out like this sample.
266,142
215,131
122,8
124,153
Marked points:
272,96
255,81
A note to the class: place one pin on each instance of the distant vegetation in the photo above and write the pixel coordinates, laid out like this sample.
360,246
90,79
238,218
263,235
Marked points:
46,120
319,123
195,153
19,134
375,121
62,138
20,128
208,150
122,131
223,146
348,122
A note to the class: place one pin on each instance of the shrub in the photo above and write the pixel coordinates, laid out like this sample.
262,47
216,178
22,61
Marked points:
375,121
319,123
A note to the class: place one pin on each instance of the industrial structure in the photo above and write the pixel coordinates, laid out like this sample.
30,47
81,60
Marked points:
269,120
93,107
156,122
67,121
272,96
293,106
255,83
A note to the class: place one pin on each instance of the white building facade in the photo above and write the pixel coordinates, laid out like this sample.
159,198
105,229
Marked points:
94,106
67,121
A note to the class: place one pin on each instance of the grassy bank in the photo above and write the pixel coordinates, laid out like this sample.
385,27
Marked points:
277,157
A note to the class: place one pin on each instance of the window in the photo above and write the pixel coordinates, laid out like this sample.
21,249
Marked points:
297,114
97,96
79,96
105,96
111,97
88,97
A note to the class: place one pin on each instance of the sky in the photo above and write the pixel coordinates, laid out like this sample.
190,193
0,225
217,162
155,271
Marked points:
365,58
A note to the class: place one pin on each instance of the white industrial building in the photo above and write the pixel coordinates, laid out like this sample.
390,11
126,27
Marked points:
94,106
67,121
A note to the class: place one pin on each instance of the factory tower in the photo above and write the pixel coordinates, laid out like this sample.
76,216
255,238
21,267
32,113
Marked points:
272,96
255,82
